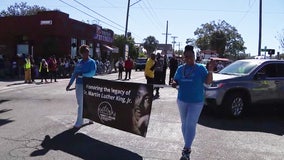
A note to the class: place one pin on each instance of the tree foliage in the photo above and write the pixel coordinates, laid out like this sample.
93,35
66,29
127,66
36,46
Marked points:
120,41
21,9
150,44
219,36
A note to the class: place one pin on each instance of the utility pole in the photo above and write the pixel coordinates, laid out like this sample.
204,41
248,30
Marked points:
174,42
179,43
127,15
166,33
260,27
126,48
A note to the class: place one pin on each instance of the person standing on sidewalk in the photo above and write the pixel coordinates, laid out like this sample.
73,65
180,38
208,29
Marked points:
128,65
85,67
28,69
33,69
43,70
120,66
190,77
52,66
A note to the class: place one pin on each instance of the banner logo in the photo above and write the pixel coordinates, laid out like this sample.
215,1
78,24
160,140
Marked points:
105,112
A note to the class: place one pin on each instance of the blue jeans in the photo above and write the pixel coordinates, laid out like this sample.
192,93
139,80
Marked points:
79,97
189,115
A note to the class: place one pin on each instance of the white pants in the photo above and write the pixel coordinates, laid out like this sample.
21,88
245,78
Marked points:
79,97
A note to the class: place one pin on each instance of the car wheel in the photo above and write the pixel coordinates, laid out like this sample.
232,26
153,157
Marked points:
234,104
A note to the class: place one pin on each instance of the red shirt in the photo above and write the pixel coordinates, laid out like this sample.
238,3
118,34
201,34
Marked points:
128,64
52,64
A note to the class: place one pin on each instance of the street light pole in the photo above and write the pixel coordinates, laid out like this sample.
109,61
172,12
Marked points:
127,15
166,48
125,34
126,47
166,33
260,26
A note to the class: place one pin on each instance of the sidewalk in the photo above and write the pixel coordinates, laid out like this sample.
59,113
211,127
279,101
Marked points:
7,85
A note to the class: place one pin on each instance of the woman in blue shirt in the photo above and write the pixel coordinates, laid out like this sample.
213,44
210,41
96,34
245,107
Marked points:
190,77
85,67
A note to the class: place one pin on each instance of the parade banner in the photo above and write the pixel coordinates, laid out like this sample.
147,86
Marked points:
122,105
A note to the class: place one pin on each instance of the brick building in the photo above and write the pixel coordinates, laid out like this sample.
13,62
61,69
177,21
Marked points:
52,33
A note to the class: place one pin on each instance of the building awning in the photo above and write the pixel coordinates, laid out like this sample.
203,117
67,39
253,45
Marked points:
114,49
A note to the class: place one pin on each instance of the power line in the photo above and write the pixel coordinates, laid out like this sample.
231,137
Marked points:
97,13
120,26
147,15
135,19
153,15
78,9
135,3
248,10
91,15
109,3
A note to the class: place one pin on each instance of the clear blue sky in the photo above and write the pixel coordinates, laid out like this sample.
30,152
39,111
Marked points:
149,17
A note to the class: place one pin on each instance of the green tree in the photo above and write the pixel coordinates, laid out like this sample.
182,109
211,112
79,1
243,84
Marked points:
221,37
150,44
120,41
21,9
218,41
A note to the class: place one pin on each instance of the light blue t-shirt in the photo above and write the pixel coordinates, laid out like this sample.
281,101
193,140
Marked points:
83,68
191,81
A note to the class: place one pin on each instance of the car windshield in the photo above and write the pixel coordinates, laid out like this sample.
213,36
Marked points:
239,68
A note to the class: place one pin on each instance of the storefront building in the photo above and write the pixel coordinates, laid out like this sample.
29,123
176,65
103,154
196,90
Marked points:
52,33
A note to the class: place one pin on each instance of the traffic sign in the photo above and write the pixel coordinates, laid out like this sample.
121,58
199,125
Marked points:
269,51
264,50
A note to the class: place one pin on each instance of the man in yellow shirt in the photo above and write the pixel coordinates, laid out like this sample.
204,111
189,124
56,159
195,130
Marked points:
149,69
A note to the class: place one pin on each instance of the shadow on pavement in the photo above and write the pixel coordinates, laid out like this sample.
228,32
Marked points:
5,110
83,146
14,84
267,119
21,83
4,121
3,100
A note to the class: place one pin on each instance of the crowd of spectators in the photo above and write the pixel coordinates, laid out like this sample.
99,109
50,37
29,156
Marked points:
13,68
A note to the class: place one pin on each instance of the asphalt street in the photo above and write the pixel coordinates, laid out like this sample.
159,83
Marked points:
36,123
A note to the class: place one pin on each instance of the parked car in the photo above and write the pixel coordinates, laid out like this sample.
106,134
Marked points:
140,64
244,82
223,61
